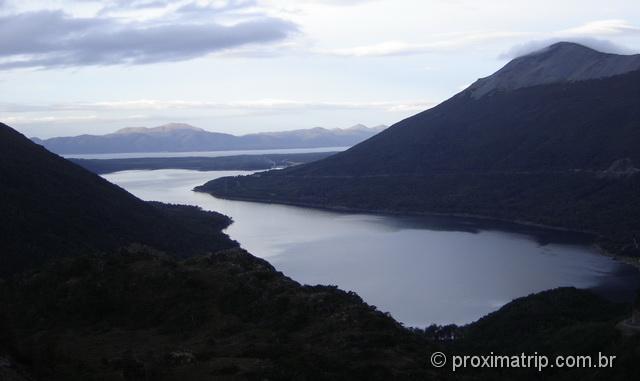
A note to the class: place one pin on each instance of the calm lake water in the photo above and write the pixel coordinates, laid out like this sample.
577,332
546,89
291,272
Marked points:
421,270
136,155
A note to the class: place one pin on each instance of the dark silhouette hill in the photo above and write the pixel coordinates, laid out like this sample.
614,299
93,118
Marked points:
565,126
138,315
52,207
551,139
97,284
87,307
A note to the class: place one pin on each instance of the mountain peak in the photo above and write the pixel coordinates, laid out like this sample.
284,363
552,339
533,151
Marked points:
560,62
567,45
163,129
362,127
358,126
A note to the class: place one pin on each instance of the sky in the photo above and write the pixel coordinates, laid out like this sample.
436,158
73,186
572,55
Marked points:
243,66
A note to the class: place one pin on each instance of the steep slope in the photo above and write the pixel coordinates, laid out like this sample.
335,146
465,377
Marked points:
568,125
556,323
179,137
81,301
562,153
52,207
560,62
135,315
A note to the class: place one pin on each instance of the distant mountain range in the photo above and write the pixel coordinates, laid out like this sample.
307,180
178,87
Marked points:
179,137
551,138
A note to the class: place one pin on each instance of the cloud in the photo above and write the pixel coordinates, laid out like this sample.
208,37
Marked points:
50,119
601,28
117,6
401,48
589,34
179,8
604,46
47,39
228,6
135,4
44,120
389,48
339,2
151,105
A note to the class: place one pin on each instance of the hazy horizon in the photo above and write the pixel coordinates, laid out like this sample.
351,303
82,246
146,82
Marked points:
209,129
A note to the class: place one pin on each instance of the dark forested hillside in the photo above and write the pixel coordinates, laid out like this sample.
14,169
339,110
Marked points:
95,286
136,315
52,207
91,305
587,125
562,154
560,322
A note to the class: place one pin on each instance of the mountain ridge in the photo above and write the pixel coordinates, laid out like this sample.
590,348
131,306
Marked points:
560,62
165,128
560,154
181,137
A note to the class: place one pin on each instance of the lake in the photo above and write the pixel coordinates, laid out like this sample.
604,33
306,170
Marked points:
422,270
138,155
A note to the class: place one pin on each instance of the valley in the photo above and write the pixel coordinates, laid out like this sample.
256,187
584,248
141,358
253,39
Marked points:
431,236
555,153
411,267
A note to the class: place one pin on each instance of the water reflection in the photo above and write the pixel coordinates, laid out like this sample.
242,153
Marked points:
421,269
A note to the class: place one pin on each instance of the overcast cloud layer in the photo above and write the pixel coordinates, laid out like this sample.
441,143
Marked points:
86,66
56,39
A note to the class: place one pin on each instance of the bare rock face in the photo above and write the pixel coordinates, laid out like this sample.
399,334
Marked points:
560,62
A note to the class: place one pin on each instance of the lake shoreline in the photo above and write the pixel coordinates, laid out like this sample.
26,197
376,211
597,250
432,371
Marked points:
253,162
409,260
635,262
